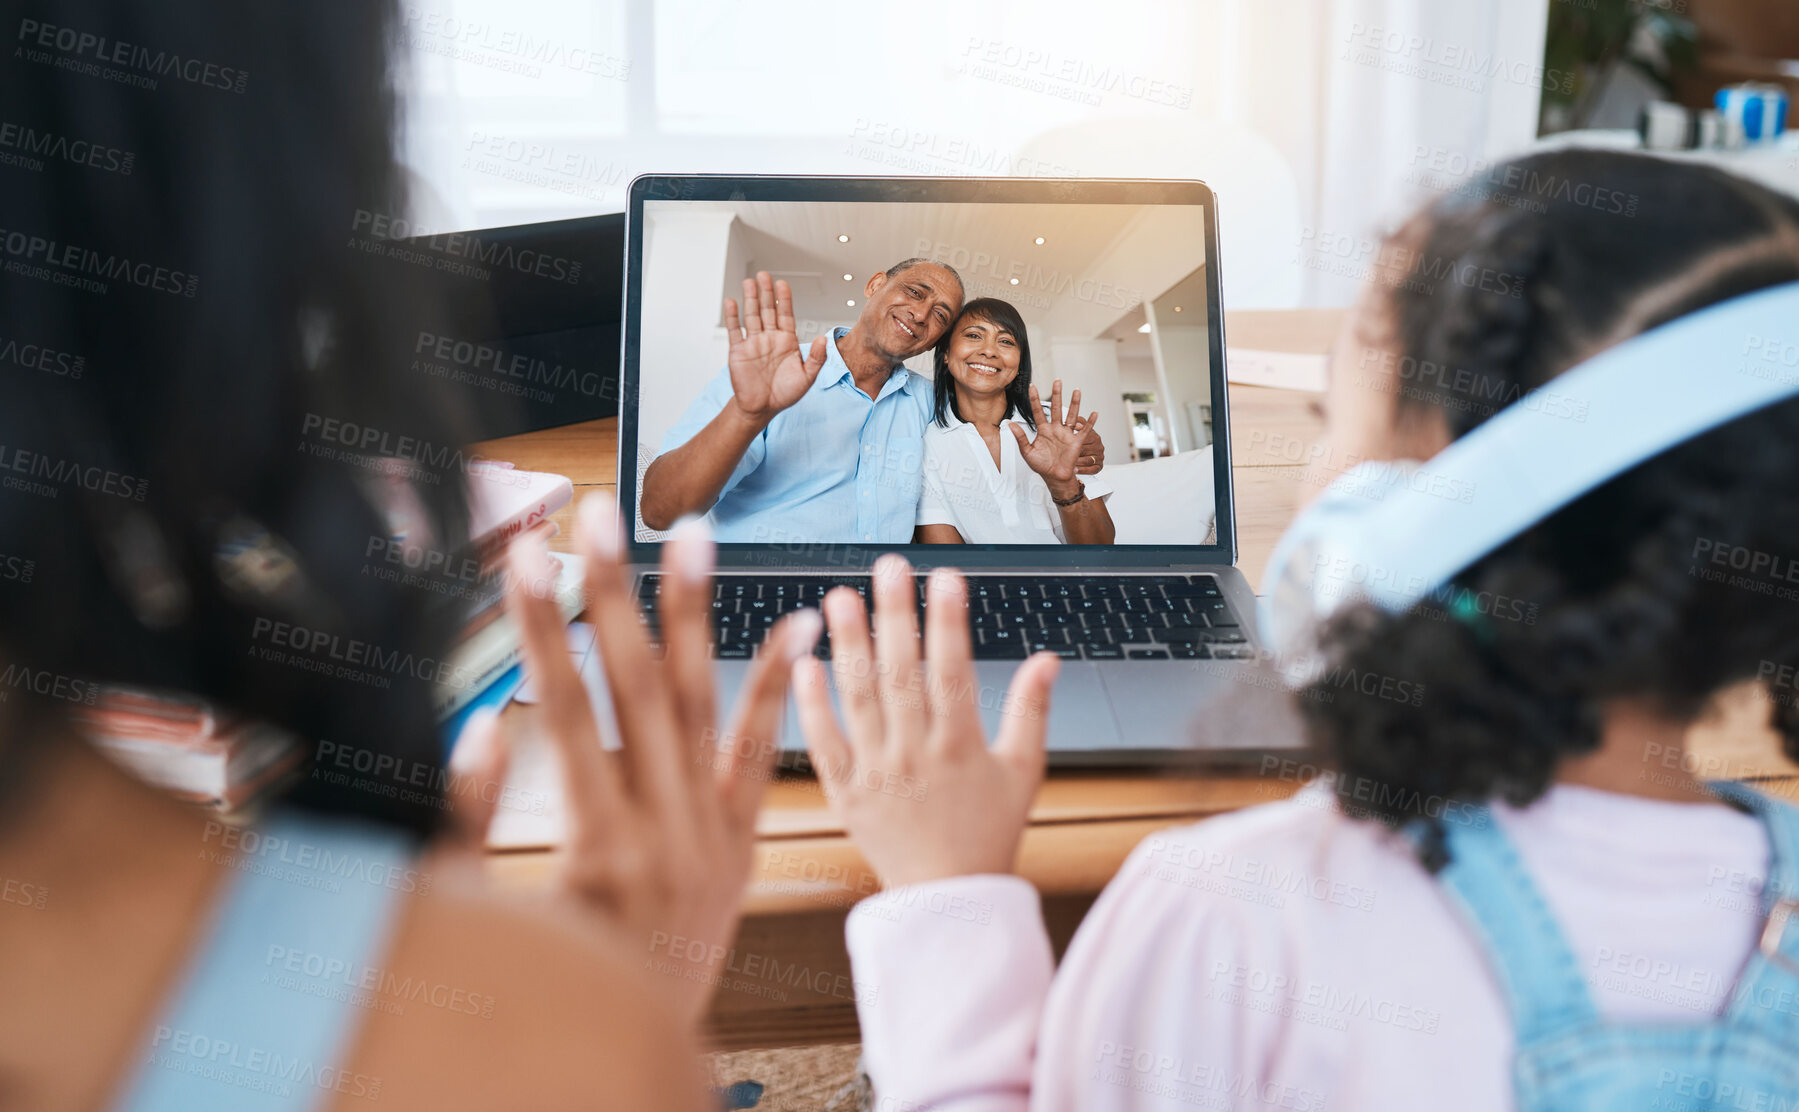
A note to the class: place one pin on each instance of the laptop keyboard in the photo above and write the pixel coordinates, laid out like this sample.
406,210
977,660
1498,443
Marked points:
1077,617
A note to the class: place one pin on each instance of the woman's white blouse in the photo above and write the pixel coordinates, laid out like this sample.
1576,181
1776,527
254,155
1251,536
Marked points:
1009,504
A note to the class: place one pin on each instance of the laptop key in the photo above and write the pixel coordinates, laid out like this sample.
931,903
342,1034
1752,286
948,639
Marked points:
1218,612
1190,590
1001,650
1149,654
1189,652
1174,634
1103,652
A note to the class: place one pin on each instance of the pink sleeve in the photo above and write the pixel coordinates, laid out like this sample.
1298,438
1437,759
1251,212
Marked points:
951,979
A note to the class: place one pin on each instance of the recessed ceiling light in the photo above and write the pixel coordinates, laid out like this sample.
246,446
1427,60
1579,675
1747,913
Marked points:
851,303
1040,241
1014,281
1177,308
843,239
852,278
1144,327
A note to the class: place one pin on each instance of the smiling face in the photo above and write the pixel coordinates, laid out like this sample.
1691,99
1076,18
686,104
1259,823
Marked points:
906,314
983,357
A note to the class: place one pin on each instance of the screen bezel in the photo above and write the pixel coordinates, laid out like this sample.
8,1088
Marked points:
859,556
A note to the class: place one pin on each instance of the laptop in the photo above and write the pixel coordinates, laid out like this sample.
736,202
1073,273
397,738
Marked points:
1116,285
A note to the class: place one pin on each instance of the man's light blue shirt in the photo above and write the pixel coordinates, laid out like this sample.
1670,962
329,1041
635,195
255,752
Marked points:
834,467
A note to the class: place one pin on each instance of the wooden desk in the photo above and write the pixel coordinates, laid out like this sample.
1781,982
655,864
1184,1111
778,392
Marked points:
795,988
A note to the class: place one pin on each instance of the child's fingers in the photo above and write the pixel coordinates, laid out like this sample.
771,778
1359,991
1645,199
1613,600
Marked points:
595,795
652,750
896,650
477,768
685,607
853,669
753,737
829,749
1025,721
949,659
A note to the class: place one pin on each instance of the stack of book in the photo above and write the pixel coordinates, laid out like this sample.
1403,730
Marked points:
485,668
180,743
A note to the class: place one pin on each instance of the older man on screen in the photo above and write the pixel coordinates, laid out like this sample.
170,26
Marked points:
822,445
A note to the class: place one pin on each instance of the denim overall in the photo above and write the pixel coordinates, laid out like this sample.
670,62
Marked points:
1568,1058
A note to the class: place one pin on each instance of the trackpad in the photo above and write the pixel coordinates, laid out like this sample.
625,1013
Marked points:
1080,716
1170,696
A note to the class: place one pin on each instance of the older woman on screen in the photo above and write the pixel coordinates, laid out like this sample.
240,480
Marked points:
984,484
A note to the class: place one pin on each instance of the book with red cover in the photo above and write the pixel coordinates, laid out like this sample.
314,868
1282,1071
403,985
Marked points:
504,501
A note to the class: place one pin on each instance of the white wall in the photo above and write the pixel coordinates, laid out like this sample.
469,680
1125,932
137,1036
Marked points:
1136,376
1090,366
1299,111
686,259
1186,354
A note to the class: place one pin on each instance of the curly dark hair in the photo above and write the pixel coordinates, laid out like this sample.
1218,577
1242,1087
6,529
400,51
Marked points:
1616,596
1001,315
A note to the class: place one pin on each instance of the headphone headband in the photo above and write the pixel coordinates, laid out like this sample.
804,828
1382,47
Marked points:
1631,402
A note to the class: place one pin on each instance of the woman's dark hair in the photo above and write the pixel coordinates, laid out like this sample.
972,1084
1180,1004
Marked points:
1614,597
1003,316
210,434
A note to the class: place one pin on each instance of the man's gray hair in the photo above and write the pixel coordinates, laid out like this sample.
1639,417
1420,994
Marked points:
907,264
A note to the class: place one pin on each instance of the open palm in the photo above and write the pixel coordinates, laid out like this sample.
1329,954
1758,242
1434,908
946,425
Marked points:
768,371
1056,450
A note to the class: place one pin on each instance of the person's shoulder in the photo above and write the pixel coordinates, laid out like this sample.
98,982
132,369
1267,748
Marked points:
1305,823
486,1003
1273,860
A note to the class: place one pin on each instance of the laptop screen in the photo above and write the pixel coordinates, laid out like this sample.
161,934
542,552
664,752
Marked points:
916,377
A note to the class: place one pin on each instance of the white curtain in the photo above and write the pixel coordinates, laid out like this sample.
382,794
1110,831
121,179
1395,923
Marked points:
1317,121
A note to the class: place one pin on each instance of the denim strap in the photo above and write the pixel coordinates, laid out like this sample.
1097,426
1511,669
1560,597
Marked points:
274,994
1766,996
1525,948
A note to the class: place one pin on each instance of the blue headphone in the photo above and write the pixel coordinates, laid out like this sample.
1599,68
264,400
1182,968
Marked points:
1395,534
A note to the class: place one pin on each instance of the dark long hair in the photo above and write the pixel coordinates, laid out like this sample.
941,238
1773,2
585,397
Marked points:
208,422
1000,314
1614,596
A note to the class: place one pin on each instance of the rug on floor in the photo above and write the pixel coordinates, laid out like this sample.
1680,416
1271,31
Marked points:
799,1079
